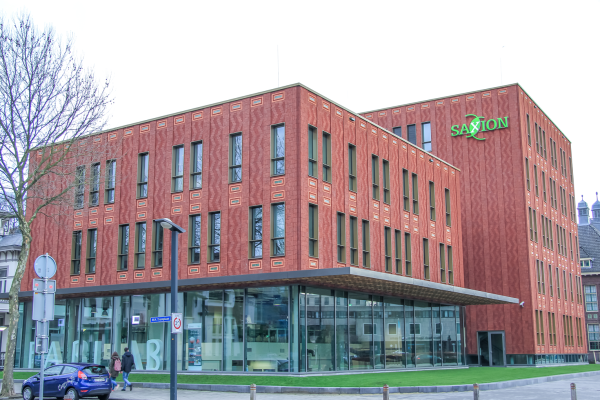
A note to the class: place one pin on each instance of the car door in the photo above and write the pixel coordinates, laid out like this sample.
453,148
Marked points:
52,380
66,379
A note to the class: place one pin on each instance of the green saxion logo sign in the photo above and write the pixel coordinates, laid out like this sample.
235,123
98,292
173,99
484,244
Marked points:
479,124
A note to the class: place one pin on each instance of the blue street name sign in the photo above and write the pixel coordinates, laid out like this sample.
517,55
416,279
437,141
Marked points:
160,319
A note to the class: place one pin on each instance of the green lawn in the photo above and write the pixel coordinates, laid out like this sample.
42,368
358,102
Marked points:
418,378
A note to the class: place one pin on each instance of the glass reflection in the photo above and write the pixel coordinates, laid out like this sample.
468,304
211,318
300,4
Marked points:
424,356
203,330
96,327
233,309
395,354
341,331
320,330
360,326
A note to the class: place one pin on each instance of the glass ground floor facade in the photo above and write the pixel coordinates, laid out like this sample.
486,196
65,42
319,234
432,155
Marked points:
264,329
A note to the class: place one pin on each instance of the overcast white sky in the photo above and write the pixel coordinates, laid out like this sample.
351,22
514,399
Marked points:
166,56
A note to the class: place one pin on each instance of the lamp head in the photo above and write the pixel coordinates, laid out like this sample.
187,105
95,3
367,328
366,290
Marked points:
166,223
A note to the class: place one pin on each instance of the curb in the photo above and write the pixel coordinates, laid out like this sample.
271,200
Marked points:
362,390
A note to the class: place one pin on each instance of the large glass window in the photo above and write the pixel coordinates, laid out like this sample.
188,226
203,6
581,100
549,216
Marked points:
121,319
313,230
140,245
278,150
148,339
92,245
360,326
96,328
95,185
426,132
256,232
447,330
235,157
233,323
312,152
76,253
341,331
203,330
422,330
594,336
111,177
378,333
142,178
157,244
196,166
320,330
591,298
278,229
214,237
194,239
395,354
177,169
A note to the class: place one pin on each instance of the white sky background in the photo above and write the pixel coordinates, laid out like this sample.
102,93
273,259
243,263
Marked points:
167,56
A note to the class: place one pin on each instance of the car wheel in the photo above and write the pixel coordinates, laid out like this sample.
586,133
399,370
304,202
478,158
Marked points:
72,394
104,396
27,393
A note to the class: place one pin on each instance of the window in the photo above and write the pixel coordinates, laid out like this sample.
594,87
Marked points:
398,250
196,166
352,167
528,131
571,170
76,253
415,192
140,245
557,283
111,177
326,157
537,139
194,239
256,232
530,224
544,185
313,231
366,244
386,182
535,180
278,229
577,290
278,150
235,158
177,170
341,238
552,323
585,262
142,185
405,190
354,241
552,148
397,131
214,237
544,143
123,248
571,244
412,134
92,245
407,254
450,267
431,201
527,173
426,258
375,176
594,336
591,298
565,284
571,286
550,283
95,185
448,208
535,231
539,327
426,132
388,248
312,152
442,263
79,186
540,277
157,244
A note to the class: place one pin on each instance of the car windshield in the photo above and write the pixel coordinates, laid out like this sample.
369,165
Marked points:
95,370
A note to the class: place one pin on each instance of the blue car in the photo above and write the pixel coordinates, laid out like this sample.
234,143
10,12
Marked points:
70,381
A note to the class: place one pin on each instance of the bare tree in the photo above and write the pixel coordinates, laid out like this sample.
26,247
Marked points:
49,105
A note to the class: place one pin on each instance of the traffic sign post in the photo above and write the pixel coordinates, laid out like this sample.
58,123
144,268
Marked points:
176,323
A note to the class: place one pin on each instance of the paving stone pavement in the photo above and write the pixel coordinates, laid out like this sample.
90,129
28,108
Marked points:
588,388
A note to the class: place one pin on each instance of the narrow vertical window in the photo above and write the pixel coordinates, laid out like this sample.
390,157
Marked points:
535,231
571,244
571,286
411,131
398,250
553,329
397,131
140,245
278,150
256,232
557,283
76,253
571,170
352,167
194,239
450,266
278,229
94,184
235,158
388,248
79,186
123,250
448,207
353,241
214,237
527,173
565,285
431,201
426,259
528,131
535,180
111,176
539,280
426,133
157,244
313,231
537,328
415,192
142,181
366,244
544,185
407,254
544,143
375,176
405,190
196,166
537,139
341,238
312,152
543,275
530,224
177,170
326,157
386,182
92,246
442,263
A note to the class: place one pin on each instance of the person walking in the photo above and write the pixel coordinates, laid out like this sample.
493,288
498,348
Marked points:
127,363
114,369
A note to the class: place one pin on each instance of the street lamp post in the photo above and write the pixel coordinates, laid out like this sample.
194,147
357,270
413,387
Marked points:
175,231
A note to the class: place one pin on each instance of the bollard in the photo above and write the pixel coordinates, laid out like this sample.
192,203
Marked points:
573,392
386,392
475,391
253,391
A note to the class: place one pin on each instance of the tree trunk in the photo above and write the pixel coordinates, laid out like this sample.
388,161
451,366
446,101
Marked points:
8,383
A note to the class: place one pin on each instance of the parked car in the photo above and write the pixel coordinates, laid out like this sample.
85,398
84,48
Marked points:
71,381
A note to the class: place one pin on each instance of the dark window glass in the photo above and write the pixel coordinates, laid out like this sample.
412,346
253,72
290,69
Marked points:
142,186
140,245
76,253
375,176
341,238
366,245
388,248
214,237
352,167
92,245
95,185
326,157
157,246
196,166
123,247
278,229
177,169
313,230
79,186
194,239
111,176
312,152
256,232
398,131
412,134
278,150
386,182
235,158
353,241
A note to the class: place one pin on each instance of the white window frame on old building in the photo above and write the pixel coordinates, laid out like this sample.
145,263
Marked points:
585,262
591,298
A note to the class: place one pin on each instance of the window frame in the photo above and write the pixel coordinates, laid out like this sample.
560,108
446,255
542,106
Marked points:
426,272
354,241
352,179
194,164
326,155
214,238
91,251
407,254
415,193
341,237
123,248
313,152
275,159
233,166
274,213
94,185
442,263
375,176
177,160
387,198
142,175
398,251
191,245
313,230
408,133
366,244
253,239
140,245
424,143
158,244
431,200
79,187
387,235
110,183
405,190
450,265
76,242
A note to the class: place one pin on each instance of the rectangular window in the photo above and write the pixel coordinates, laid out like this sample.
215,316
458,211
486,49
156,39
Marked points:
450,267
426,132
571,244
94,184
214,237
535,180
111,177
527,173
195,226
398,131
256,232
196,166
278,150
235,157
407,254
530,224
366,244
537,327
537,139
552,328
565,284
431,201
123,250
542,328
442,263
386,182
79,186
278,229
577,289
415,192
352,167
92,246
594,336
571,170
313,231
412,134
550,280
405,190
375,176
76,253
544,143
426,258
544,185
557,283
177,169
535,231
591,298
312,152
341,238
354,240
448,208
388,248
528,131
326,157
157,244
539,279
398,250
140,245
571,286
142,178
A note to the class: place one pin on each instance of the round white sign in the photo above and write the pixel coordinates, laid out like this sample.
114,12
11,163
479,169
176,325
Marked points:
44,266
